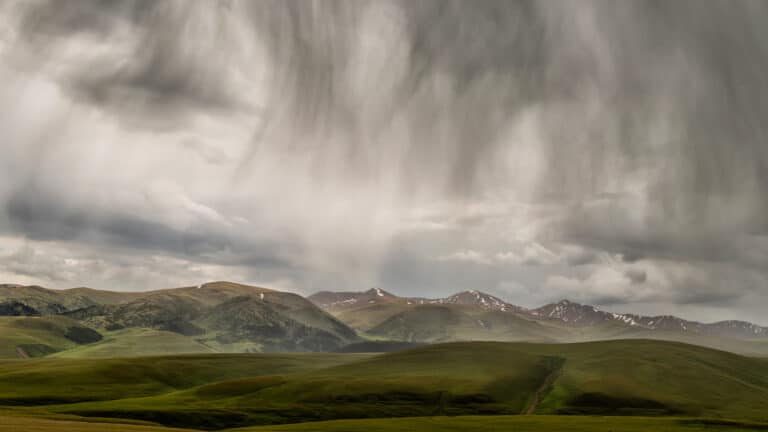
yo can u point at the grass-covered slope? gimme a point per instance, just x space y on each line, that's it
616 377
136 342
366 317
629 377
40 336
56 380
748 347
43 301
447 322
656 377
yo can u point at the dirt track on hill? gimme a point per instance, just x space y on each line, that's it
544 388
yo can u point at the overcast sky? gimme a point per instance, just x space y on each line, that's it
613 153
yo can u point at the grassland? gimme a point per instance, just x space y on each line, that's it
218 391
34 336
40 382
136 342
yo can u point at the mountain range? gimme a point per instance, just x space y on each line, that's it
218 316
474 315
231 317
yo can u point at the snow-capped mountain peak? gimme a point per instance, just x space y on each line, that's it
572 312
478 298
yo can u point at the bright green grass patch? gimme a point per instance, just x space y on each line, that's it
36 336
137 342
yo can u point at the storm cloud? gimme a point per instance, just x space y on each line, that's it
610 152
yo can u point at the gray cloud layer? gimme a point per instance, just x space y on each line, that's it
612 152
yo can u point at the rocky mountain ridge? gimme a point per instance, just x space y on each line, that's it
564 313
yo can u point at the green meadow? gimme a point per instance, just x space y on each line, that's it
612 385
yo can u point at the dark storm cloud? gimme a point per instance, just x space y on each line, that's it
38 215
166 73
581 257
466 72
611 227
48 18
473 69
636 276
679 90
719 285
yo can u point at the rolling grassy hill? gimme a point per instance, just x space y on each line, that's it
635 377
136 342
646 376
39 336
44 381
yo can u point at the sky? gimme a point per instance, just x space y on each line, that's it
610 153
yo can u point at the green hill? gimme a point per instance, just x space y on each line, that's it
444 323
626 377
137 342
45 381
43 301
369 316
748 347
39 336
